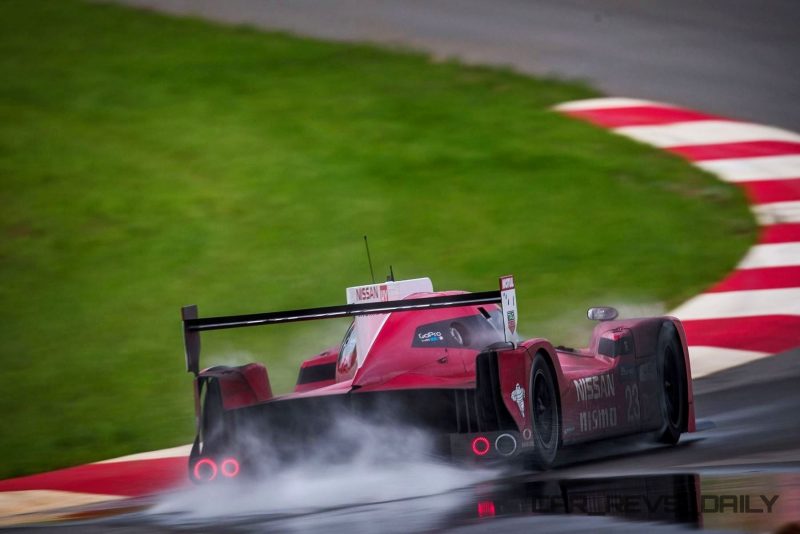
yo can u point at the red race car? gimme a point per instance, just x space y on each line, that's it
451 362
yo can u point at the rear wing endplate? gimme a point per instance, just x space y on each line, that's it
193 325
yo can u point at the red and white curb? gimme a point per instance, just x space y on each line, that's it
53 495
755 311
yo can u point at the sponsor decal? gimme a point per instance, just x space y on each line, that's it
508 306
594 387
372 293
598 419
430 337
632 401
518 396
512 321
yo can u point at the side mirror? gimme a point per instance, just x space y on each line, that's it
603 313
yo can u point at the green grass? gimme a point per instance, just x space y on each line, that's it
148 162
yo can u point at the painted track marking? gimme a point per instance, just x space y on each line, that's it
705 132
755 311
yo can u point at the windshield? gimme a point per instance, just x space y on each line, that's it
476 331
347 352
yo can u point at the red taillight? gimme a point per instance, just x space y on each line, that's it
229 467
480 446
486 509
205 470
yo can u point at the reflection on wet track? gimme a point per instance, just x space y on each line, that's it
740 472
665 503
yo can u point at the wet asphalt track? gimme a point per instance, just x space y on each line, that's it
736 58
748 444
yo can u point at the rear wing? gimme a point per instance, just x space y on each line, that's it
193 325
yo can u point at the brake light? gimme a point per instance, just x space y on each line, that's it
486 509
480 446
205 470
229 467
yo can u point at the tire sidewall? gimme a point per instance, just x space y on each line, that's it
544 451
670 347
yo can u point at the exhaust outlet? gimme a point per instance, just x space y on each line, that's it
505 444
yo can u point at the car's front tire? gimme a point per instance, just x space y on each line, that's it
672 381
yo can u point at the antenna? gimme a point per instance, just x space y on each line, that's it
369 259
390 278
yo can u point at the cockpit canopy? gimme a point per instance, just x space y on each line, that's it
406 339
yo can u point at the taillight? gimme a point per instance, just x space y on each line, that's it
486 509
229 467
480 446
205 470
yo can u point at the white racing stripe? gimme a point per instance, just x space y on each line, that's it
607 103
777 213
740 304
705 133
707 360
749 169
174 452
774 255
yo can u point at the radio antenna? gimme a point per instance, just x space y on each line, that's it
369 259
391 274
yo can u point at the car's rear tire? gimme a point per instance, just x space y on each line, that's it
672 381
545 414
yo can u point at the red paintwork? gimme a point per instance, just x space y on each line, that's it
628 393
391 355
242 386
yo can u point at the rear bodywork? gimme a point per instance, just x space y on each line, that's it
449 362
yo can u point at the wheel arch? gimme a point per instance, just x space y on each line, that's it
549 360
688 424
548 352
